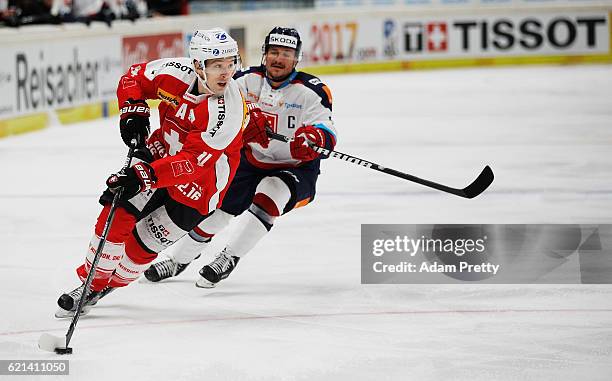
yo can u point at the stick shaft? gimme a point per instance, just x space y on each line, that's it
92 270
474 189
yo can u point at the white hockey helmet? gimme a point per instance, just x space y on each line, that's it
211 44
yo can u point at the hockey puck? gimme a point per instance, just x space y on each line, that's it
63 351
52 343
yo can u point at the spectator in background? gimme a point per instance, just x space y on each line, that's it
107 10
167 7
27 12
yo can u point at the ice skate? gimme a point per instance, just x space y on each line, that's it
217 270
165 269
68 302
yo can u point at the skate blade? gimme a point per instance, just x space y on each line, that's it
52 343
203 283
64 314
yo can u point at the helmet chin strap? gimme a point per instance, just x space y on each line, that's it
202 80
204 84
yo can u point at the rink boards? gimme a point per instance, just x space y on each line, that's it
59 76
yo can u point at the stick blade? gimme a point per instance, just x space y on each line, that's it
52 343
481 183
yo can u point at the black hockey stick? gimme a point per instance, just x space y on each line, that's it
482 182
53 343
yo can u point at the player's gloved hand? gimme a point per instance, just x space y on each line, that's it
134 121
138 178
255 132
300 150
155 144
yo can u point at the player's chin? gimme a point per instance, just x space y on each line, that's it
220 86
277 72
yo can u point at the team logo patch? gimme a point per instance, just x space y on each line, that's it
165 96
127 83
181 167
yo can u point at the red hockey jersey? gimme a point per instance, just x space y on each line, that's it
200 136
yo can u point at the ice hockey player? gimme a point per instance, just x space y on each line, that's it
273 177
193 157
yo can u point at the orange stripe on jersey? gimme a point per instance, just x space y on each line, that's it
328 92
245 112
301 203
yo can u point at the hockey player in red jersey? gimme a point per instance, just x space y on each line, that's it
182 170
274 177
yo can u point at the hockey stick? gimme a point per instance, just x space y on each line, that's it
53 343
482 182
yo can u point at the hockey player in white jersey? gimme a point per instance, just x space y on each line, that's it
274 177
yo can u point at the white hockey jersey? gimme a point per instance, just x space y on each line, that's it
301 100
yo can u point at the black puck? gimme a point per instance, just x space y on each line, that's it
63 351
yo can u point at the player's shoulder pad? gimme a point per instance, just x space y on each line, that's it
315 84
180 68
226 117
257 70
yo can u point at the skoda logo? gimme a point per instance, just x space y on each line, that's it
215 52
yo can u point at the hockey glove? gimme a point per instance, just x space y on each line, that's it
134 122
300 150
155 144
255 132
138 178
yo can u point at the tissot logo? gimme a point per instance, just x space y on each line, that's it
493 34
531 33
437 36
432 36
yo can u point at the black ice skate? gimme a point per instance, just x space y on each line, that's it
165 269
68 302
217 270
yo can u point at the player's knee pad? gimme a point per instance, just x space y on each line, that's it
271 195
210 226
122 226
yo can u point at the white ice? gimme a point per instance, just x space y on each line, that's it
295 309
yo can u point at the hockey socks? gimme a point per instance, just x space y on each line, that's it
250 230
109 259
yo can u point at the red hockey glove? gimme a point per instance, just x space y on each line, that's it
300 150
134 121
138 178
155 144
255 132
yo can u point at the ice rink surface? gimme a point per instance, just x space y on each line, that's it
295 309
